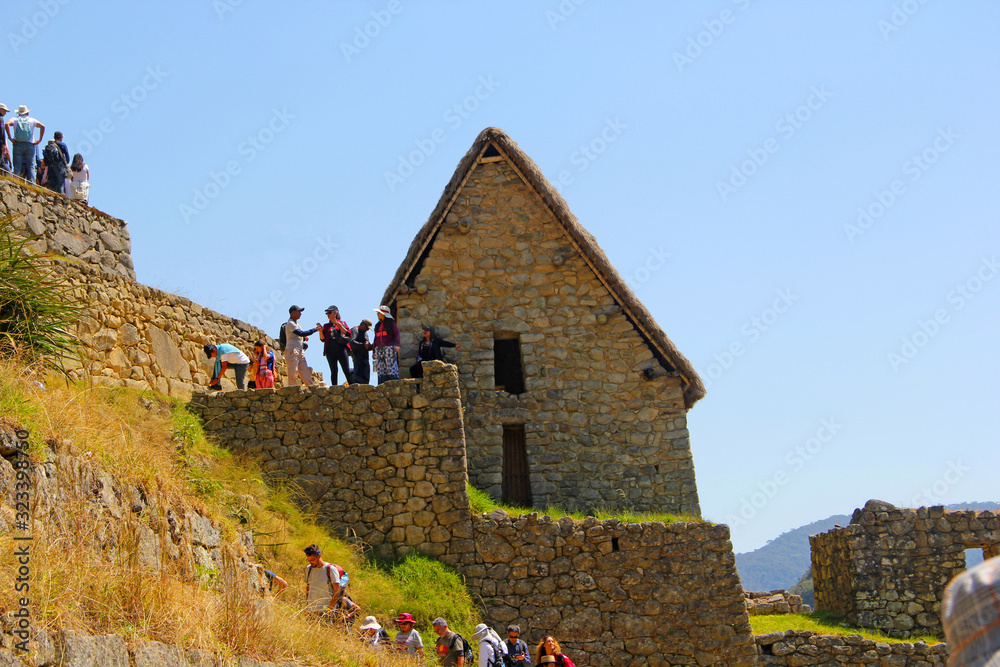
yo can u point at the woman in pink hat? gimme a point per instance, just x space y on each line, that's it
385 350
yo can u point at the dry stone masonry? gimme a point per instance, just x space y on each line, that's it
385 465
58 225
511 276
133 335
888 569
803 649
769 603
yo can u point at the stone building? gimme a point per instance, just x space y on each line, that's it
573 395
888 569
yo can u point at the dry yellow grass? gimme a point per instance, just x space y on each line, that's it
87 576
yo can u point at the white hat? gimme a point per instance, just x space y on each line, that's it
3 107
480 631
23 110
371 624
385 311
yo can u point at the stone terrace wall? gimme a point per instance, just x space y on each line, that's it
888 569
385 465
614 593
61 226
778 601
145 338
802 649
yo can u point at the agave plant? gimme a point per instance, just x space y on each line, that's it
36 308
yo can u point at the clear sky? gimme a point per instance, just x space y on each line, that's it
804 194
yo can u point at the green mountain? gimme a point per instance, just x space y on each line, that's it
784 561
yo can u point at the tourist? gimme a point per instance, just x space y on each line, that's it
373 634
5 163
359 352
385 351
58 136
326 585
262 366
516 647
227 356
294 348
408 639
450 646
970 613
430 349
78 180
549 653
336 337
56 164
491 648
21 132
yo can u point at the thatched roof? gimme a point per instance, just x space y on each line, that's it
665 351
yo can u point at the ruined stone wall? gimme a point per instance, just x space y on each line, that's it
598 433
58 225
804 649
614 593
770 603
384 465
892 573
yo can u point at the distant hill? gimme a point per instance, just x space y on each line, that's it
784 561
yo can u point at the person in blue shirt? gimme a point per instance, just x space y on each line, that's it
227 356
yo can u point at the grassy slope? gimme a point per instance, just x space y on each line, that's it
823 624
153 442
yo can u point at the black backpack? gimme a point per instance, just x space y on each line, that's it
52 156
282 339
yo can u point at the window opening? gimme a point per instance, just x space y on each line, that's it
614 544
973 556
508 374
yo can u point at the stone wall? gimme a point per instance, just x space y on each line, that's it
146 338
614 593
59 225
384 465
769 603
803 649
888 569
598 431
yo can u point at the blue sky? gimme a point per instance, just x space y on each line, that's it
804 194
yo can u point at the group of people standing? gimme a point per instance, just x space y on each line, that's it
54 169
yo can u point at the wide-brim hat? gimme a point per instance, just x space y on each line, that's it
3 107
371 624
23 110
547 659
384 310
405 618
480 631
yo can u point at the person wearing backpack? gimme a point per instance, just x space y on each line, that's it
326 585
21 132
450 646
55 166
492 652
5 164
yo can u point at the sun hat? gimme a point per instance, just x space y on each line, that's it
405 618
970 614
367 321
3 107
547 659
371 624
481 629
23 110
385 311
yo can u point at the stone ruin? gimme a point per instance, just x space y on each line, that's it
888 569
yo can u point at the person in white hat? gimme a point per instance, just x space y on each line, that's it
21 132
385 350
491 648
373 634
970 613
4 152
